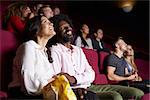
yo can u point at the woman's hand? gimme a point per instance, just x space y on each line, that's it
31 15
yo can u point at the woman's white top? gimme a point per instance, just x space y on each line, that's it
79 43
31 68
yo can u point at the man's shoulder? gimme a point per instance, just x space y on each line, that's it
112 56
93 40
75 47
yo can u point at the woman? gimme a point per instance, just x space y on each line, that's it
31 67
16 17
132 69
83 40
129 57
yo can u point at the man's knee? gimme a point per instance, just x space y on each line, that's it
137 93
111 95
116 96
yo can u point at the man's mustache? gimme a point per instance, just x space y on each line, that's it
67 29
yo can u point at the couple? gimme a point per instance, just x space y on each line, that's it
35 65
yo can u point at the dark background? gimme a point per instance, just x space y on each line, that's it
134 26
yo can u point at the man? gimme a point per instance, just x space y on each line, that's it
117 66
70 61
46 11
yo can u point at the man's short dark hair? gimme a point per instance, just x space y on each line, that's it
115 41
41 12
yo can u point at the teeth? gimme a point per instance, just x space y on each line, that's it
69 32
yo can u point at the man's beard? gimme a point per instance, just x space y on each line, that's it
67 38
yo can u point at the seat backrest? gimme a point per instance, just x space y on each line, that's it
8 45
145 96
102 60
143 68
3 95
92 57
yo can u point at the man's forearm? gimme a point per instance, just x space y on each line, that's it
115 77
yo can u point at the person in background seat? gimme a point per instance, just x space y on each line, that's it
83 40
17 15
132 68
98 43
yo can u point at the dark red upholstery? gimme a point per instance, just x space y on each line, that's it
146 97
100 79
143 68
102 56
92 58
3 95
8 47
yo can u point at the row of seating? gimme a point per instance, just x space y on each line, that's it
100 78
99 66
8 44
92 57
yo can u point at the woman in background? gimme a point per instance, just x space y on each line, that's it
129 57
83 40
132 69
15 19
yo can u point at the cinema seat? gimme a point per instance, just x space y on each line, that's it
3 95
92 58
146 96
102 58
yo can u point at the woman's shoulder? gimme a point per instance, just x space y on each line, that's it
78 38
13 18
88 39
27 45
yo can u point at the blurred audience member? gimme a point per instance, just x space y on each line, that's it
36 8
97 42
56 11
46 11
83 39
132 68
17 15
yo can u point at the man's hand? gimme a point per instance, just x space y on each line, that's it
71 79
131 77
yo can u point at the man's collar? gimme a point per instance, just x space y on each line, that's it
65 49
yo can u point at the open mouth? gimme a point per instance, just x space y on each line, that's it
69 32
